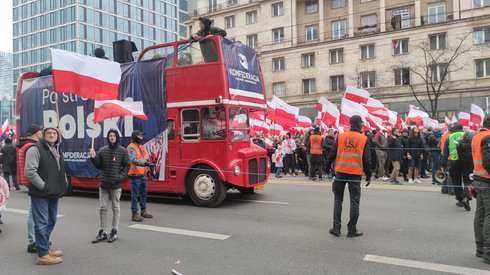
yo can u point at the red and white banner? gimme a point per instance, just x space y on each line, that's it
349 109
85 76
357 95
476 116
283 113
114 108
329 112
304 122
464 118
417 117
377 109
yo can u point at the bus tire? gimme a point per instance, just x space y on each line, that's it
246 190
205 187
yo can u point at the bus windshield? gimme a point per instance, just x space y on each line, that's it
239 130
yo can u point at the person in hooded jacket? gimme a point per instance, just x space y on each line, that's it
9 163
208 49
45 171
113 161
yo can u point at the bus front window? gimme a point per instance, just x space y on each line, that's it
239 129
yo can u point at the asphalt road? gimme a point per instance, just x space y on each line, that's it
281 230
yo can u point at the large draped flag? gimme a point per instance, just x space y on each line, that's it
282 113
476 116
85 76
464 118
104 109
416 116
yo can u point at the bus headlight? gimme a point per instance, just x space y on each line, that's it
237 169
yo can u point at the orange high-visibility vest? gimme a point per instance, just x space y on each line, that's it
350 149
444 137
476 152
315 144
140 154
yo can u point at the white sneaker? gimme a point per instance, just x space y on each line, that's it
417 181
410 181
384 178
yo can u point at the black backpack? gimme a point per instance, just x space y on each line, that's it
464 148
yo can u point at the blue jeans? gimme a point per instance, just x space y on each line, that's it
44 213
14 178
278 171
31 237
138 193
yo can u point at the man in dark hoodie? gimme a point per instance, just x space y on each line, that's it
113 161
352 156
9 163
208 48
45 171
480 148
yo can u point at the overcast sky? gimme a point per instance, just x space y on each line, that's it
6 26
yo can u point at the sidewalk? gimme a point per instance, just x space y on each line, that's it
425 186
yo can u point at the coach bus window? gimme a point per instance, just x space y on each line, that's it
239 129
213 123
190 124
205 51
155 54
170 129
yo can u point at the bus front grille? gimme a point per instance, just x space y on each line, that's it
252 171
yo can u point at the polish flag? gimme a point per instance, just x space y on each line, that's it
476 116
464 118
284 114
5 127
329 112
454 119
413 107
429 122
349 109
416 116
268 143
377 109
393 118
304 122
447 121
357 95
114 108
85 76
277 130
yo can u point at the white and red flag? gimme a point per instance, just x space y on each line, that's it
349 109
283 113
329 112
357 95
416 116
377 109
114 108
5 127
476 116
464 118
304 122
85 76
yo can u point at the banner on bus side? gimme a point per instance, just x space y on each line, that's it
141 81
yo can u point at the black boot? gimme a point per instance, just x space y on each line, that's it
145 215
102 236
335 231
356 233
479 250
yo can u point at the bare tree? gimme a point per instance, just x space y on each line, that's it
435 68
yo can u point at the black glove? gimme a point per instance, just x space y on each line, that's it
368 182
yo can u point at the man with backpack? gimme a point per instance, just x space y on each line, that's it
456 165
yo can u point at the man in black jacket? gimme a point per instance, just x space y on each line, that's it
113 160
9 163
45 171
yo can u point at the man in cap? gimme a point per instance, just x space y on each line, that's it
45 171
33 135
139 163
352 157
113 160
480 148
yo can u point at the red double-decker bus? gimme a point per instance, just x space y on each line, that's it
211 87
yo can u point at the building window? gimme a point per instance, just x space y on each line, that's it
437 13
308 60
231 2
482 68
277 35
401 19
437 41
309 86
400 46
279 88
481 3
252 41
338 29
368 23
230 22
367 51
338 4
337 56
251 17
481 35
311 6
368 80
277 9
402 76
212 5
311 32
365 1
278 64
337 83
438 72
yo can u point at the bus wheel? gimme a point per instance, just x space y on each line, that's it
205 187
246 190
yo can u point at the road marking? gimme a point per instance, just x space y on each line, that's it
22 211
259 201
425 265
181 232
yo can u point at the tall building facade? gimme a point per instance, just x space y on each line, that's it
5 73
83 25
392 48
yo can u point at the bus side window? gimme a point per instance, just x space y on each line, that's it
190 124
170 129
